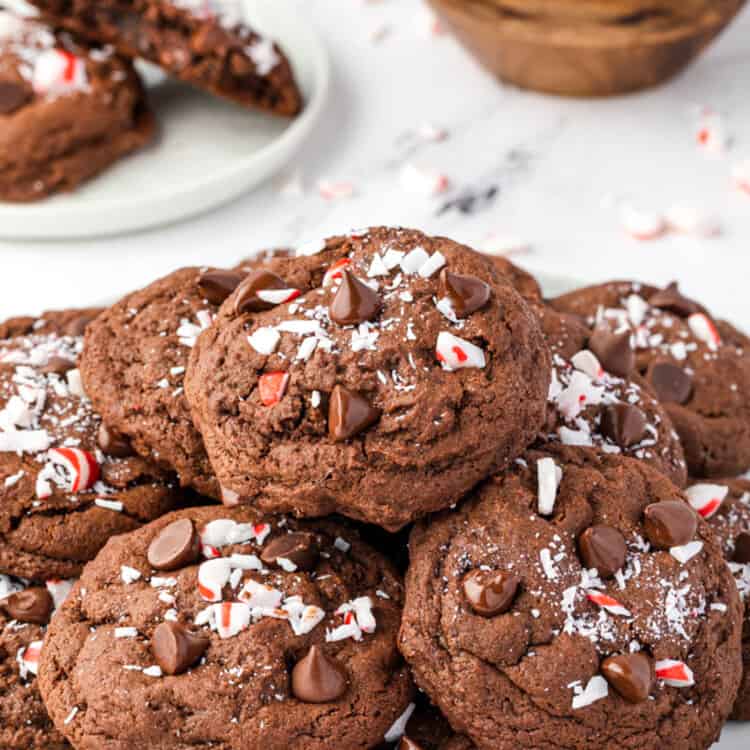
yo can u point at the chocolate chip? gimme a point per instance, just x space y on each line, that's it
349 414
247 299
12 97
318 679
408 744
613 350
631 675
670 523
490 593
354 302
625 424
299 548
176 546
175 648
467 294
742 548
671 383
216 286
114 443
33 605
603 547
58 366
672 300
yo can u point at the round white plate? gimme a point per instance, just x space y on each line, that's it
208 151
736 735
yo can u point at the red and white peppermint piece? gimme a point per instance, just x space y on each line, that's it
231 618
272 387
586 362
209 552
637 308
741 176
336 270
28 658
80 467
607 602
455 353
706 498
711 134
213 575
433 264
333 190
361 610
57 71
303 618
224 531
259 596
687 219
642 225
579 393
705 330
312 247
423 181
549 476
674 673
414 260
278 296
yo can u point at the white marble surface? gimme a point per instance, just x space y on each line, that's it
553 160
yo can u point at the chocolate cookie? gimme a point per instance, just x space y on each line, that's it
61 322
726 505
379 375
523 282
66 483
24 613
574 602
67 111
221 627
423 727
204 42
699 368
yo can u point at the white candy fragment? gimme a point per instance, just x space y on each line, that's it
549 476
706 498
455 353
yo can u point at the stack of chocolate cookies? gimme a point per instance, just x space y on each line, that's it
72 104
206 493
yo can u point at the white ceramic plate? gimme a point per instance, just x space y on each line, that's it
736 736
208 151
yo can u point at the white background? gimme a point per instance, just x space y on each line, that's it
571 157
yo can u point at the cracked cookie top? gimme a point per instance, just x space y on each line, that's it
380 375
25 611
578 595
67 483
223 627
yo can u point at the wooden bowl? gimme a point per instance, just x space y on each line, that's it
586 47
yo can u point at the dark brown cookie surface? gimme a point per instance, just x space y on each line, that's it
549 612
698 368
232 645
134 363
66 484
725 503
24 722
204 42
67 111
400 370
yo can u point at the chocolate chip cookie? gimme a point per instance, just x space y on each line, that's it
67 111
204 42
134 362
67 483
574 603
222 627
380 375
24 613
725 503
698 367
